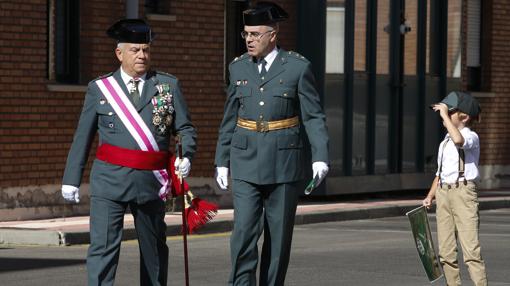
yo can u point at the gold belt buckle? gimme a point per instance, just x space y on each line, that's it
262 126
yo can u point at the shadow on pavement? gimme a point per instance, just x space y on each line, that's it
19 264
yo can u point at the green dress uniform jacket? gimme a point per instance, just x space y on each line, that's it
287 90
267 167
113 188
117 182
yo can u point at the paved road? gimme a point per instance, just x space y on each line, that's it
363 252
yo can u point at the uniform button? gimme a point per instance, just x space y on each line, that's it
261 116
262 78
285 94
291 144
261 103
261 89
110 125
110 113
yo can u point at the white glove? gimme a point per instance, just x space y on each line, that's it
182 166
221 176
71 193
320 169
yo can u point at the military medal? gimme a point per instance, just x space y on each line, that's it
163 109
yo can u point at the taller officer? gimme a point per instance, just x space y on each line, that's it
271 95
135 110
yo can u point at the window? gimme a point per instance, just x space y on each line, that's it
157 7
335 19
334 78
64 35
234 44
473 45
454 44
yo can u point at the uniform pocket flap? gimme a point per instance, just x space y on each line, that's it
240 142
105 110
243 91
285 92
289 142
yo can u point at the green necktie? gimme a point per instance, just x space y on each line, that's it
263 70
134 94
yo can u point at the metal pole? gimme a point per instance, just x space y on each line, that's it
397 18
349 85
371 70
420 71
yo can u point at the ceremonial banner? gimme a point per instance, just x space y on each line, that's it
424 244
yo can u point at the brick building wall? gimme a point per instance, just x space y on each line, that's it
494 96
38 116
495 115
37 124
31 121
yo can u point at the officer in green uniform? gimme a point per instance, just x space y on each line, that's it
271 95
114 187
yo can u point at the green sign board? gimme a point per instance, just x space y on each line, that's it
424 243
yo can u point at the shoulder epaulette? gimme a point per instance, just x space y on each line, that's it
166 74
296 55
240 58
103 76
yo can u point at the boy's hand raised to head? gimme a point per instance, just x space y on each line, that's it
442 108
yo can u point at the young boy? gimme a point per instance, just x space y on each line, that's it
454 188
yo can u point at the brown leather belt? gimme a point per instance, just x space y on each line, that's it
265 126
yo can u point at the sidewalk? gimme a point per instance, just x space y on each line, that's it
75 230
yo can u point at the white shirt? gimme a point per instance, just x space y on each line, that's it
126 78
269 59
450 157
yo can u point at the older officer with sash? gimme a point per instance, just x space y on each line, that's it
134 110
270 97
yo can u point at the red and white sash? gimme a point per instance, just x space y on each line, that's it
135 125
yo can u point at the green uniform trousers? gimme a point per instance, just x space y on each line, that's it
457 217
262 208
106 224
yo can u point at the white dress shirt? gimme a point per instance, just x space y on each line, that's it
269 59
449 155
127 78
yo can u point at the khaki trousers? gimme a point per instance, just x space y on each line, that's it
457 218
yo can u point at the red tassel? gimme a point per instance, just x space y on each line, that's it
199 213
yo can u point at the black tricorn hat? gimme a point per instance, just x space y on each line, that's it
131 31
264 13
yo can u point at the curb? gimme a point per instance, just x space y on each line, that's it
59 238
31 237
